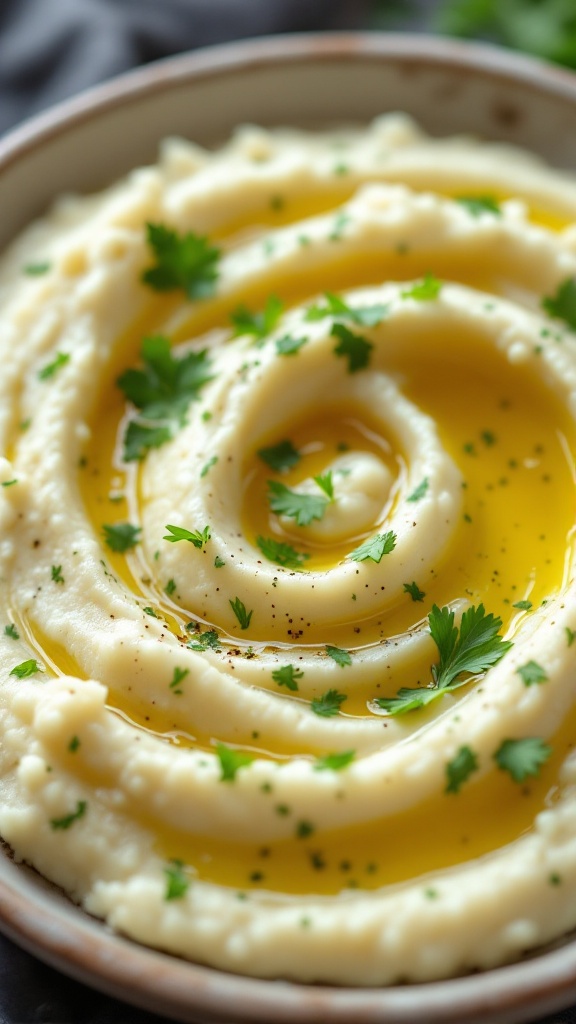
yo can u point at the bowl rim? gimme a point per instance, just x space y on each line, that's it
41 919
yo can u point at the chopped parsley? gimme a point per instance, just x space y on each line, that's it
257 324
121 536
231 761
353 347
208 465
240 612
11 631
56 574
414 590
170 587
205 640
73 745
69 819
60 360
473 648
419 491
570 635
532 673
161 391
375 547
364 316
280 456
178 676
425 290
196 537
281 554
477 205
36 269
523 605
460 768
187 261
328 704
288 346
26 669
335 762
287 676
562 304
523 757
177 883
219 562
301 507
338 655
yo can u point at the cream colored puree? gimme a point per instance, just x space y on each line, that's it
456 434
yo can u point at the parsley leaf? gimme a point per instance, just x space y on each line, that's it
11 631
162 390
477 205
182 261
460 768
287 676
328 704
208 466
326 484
280 456
523 605
414 590
69 819
121 536
56 574
178 676
205 640
338 655
231 761
240 612
522 757
257 324
562 305
37 269
281 554
334 762
425 290
301 507
473 648
26 669
60 359
288 346
375 547
364 316
353 347
177 883
419 491
531 673
196 537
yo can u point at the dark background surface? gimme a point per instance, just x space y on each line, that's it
52 49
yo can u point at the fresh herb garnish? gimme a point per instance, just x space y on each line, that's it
240 612
121 536
281 554
328 704
340 656
26 669
257 324
56 574
178 676
460 768
161 391
219 562
231 761
177 882
326 484
523 757
473 648
11 631
414 590
280 456
205 640
73 745
419 491
170 587
375 547
60 360
187 261
562 304
37 269
425 290
287 676
523 605
477 205
532 673
288 346
208 466
334 762
364 316
196 537
69 819
353 347
301 507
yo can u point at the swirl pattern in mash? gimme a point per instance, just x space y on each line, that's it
286 558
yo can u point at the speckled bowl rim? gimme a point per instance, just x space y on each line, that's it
36 915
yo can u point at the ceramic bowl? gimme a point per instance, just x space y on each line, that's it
307 81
